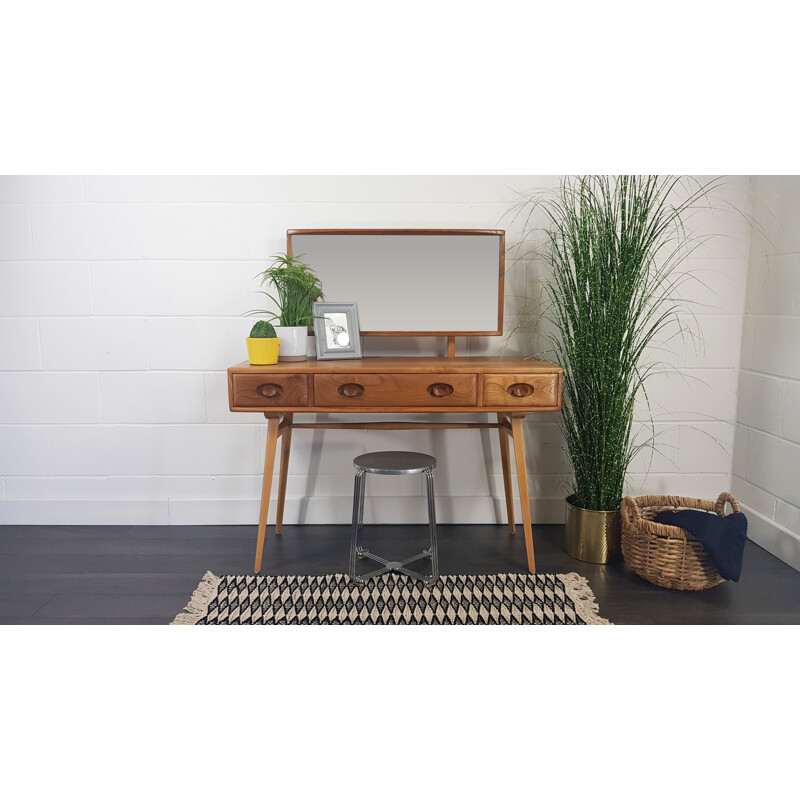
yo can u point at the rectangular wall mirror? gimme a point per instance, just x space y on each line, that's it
411 282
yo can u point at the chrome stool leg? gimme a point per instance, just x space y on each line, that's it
358 494
434 551
360 551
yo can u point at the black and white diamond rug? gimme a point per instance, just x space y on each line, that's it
392 599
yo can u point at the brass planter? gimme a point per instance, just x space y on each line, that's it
592 536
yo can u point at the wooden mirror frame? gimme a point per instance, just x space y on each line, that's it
421 232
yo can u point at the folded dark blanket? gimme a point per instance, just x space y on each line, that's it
722 537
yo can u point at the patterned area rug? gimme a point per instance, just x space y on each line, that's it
392 599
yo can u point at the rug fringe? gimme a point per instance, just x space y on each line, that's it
198 603
582 596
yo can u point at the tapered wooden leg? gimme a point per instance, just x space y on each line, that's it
286 444
506 472
522 476
266 487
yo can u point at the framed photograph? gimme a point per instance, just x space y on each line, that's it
336 330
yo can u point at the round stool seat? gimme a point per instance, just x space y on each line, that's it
394 462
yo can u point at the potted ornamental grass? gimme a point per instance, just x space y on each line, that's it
262 344
614 245
295 287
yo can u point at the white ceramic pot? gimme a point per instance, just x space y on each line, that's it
294 342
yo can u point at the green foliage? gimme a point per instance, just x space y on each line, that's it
263 330
296 286
614 244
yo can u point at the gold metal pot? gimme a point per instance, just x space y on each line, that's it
592 536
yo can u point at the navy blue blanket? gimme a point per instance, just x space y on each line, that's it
722 537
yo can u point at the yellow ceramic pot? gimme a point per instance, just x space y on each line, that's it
592 536
262 351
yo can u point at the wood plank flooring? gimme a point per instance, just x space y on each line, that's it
144 575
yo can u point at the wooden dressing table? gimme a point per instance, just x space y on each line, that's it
508 388
406 282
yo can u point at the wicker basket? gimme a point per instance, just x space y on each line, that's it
666 555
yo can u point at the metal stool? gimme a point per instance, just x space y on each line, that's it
393 462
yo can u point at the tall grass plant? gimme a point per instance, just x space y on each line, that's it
614 245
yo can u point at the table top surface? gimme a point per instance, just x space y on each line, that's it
417 364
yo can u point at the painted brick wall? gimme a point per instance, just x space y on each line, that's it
767 446
121 302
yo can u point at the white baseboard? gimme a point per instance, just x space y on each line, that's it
773 537
89 511
335 510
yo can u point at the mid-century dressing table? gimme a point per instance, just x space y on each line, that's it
507 388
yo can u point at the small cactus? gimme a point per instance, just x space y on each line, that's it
263 330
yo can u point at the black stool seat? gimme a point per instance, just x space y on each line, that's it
394 462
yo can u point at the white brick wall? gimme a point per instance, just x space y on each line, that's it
15 232
766 469
121 302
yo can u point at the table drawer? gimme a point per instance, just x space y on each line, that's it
395 390
270 389
522 391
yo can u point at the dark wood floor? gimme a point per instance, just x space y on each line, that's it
145 574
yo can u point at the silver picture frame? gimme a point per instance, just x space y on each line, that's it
336 331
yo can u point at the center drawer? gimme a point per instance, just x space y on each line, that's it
359 390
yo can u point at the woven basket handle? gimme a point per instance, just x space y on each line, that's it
629 510
726 497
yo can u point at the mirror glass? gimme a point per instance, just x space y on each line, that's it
410 283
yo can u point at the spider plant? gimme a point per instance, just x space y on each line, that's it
614 245
296 286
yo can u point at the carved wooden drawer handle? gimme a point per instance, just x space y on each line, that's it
270 390
440 389
351 390
520 389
